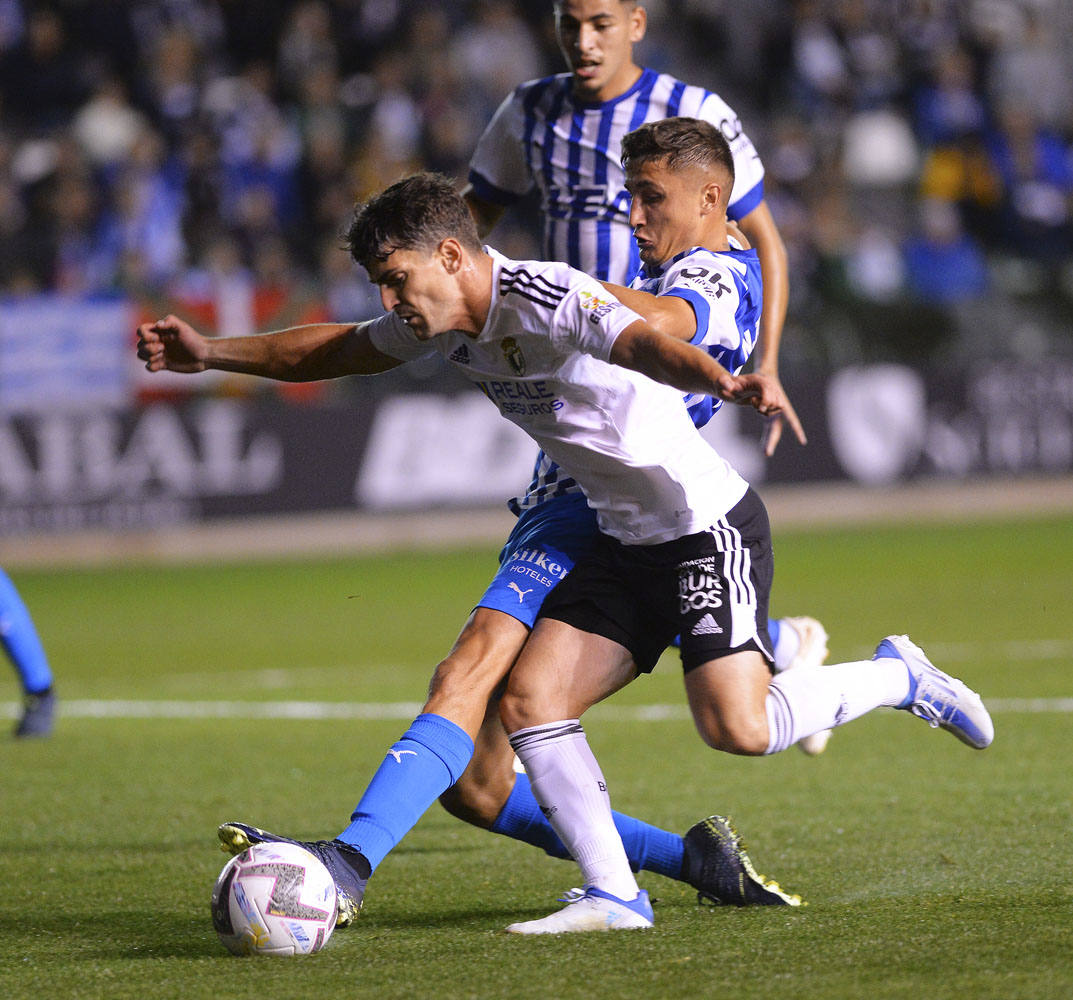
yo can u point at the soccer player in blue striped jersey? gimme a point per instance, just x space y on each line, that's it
710 858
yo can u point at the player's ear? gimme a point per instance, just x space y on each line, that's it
711 198
450 254
638 23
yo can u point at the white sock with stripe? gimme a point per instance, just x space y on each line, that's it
806 700
567 782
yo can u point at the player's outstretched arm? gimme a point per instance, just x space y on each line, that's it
298 354
690 369
667 313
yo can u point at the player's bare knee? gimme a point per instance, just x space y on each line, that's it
520 710
746 737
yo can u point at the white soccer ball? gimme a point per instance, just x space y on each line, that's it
274 899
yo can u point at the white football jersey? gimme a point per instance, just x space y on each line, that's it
571 150
542 358
724 291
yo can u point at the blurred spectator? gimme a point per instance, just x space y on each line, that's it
178 144
495 51
1034 167
1032 71
107 126
148 206
944 264
879 149
173 83
307 46
948 106
41 76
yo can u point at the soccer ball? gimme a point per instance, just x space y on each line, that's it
274 899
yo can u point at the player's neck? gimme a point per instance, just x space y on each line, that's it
477 295
621 83
712 236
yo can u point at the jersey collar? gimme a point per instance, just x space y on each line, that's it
661 269
646 79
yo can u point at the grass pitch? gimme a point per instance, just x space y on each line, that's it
930 870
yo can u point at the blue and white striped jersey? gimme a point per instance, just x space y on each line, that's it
571 150
543 358
723 287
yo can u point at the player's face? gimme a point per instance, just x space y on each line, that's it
597 39
421 288
669 209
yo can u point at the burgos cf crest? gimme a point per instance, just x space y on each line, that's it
513 353
596 307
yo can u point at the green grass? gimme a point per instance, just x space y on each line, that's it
930 870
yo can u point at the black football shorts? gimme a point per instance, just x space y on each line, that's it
710 589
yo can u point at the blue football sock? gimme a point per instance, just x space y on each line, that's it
647 847
19 638
426 760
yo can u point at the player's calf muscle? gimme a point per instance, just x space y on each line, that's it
466 679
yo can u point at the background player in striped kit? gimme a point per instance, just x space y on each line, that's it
563 135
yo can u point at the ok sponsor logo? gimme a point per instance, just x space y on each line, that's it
699 586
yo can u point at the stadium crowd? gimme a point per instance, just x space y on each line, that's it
919 153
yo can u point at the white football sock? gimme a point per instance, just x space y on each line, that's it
806 700
568 784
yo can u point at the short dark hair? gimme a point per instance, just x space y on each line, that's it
680 142
416 213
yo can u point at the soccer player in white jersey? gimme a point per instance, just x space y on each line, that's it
563 134
710 857
559 355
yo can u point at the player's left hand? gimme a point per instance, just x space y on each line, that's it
765 394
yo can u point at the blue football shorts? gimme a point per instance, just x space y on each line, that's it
546 542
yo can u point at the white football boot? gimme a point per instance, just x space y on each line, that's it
592 909
940 700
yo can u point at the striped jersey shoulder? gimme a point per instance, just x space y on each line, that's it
530 92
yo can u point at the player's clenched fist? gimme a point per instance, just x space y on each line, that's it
171 344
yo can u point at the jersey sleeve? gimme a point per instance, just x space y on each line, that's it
748 189
391 336
498 171
713 294
590 318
